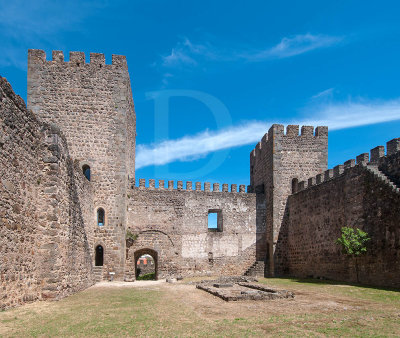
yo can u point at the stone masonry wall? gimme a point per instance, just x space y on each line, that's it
44 252
276 160
173 223
350 195
92 105
389 164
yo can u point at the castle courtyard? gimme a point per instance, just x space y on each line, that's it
157 308
199 169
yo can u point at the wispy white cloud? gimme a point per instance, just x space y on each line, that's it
335 116
292 46
323 94
188 53
193 147
185 53
354 114
166 77
177 57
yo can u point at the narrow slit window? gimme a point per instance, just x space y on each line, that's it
100 217
86 171
215 220
295 182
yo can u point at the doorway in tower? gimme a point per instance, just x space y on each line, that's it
99 256
146 264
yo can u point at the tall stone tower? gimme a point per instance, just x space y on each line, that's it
278 160
92 105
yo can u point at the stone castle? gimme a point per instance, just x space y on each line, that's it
71 213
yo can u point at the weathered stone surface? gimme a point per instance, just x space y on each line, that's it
243 291
275 162
358 198
32 258
91 103
390 165
173 223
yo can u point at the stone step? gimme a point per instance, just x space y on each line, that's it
256 269
379 174
98 273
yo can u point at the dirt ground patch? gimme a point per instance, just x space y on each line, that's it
136 284
304 302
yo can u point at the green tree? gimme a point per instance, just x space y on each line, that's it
353 243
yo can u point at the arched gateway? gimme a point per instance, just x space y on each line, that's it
142 260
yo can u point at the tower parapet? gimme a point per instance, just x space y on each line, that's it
216 187
278 159
76 59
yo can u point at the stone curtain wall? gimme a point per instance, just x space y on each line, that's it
20 170
174 223
276 160
390 164
44 252
92 105
350 195
66 255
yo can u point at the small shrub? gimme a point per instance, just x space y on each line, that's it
147 276
131 236
353 243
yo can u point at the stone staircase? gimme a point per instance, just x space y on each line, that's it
98 273
380 175
256 270
129 276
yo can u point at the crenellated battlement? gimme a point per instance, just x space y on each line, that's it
374 157
197 187
76 59
292 131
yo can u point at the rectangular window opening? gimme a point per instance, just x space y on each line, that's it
215 220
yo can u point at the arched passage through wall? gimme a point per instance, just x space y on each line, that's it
146 263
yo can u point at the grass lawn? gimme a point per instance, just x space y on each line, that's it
318 309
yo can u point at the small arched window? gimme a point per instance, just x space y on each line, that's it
100 217
86 171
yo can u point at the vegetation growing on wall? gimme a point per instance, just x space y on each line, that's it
130 237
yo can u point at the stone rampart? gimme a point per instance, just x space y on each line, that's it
44 251
390 164
355 194
198 186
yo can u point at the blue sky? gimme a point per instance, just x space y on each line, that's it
209 77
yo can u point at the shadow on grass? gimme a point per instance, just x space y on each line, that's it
333 282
